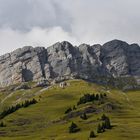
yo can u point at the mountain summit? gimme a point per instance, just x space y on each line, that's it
61 61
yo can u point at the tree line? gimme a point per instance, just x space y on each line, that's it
16 107
87 98
90 98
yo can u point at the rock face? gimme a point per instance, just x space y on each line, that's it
64 61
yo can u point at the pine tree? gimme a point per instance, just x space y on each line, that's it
97 97
68 110
2 124
99 129
93 97
103 127
101 96
34 101
103 117
92 134
74 108
107 123
105 95
84 116
73 128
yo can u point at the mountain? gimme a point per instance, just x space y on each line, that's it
83 104
62 61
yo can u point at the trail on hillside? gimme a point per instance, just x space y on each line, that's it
7 97
11 94
126 97
35 94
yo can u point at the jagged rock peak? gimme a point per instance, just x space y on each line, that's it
64 61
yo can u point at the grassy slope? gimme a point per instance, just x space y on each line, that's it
35 122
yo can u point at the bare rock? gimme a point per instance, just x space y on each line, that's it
63 61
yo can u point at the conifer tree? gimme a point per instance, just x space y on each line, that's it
68 110
73 128
92 134
107 123
2 124
99 129
84 116
97 97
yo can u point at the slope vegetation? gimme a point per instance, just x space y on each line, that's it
48 120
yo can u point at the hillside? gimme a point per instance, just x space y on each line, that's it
47 119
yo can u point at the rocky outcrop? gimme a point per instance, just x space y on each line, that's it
64 61
21 65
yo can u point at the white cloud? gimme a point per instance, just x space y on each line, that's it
11 39
44 22
99 21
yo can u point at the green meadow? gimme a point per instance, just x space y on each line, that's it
45 119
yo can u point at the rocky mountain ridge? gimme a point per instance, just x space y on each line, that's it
98 63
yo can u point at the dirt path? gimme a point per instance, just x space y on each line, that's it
7 97
126 97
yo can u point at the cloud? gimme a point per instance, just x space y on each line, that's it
25 14
44 22
11 39
100 21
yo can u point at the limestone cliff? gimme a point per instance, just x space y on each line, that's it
114 59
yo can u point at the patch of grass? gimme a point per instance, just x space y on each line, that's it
42 120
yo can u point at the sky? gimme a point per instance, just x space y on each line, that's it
45 22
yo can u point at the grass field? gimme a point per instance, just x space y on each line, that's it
42 121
